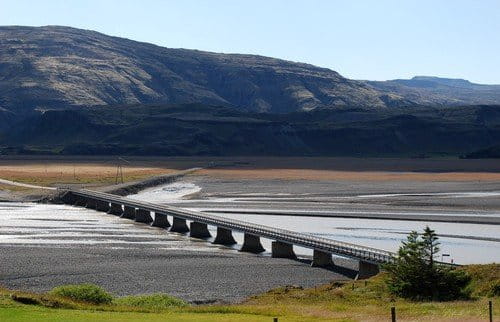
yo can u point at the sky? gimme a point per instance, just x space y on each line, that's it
360 39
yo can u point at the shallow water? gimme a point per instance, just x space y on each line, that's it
67 226
464 243
388 234
167 193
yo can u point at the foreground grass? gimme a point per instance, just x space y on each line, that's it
41 314
370 301
352 301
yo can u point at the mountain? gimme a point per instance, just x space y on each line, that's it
428 90
73 91
197 129
51 67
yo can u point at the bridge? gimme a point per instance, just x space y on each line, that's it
282 240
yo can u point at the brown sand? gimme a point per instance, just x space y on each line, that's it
102 170
309 174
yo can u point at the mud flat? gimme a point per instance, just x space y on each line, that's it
43 246
378 213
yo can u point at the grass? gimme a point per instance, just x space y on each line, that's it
154 302
351 301
88 293
370 300
43 314
485 279
53 178
72 173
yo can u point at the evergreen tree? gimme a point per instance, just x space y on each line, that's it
431 245
414 274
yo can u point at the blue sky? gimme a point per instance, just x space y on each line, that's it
371 39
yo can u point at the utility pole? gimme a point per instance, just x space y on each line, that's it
119 169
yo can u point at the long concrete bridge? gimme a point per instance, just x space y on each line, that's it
282 240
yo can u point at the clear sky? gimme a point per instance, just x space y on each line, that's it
370 39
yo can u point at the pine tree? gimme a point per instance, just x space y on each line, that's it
430 244
414 274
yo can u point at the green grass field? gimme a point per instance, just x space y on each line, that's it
353 301
53 315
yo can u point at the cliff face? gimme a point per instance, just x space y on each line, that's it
59 67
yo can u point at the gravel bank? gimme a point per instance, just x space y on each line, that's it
200 277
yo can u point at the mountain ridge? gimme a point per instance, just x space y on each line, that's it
58 66
440 91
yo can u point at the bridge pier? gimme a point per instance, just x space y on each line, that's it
69 198
224 237
143 216
115 209
128 212
251 244
91 204
80 201
102 206
179 225
161 220
321 259
282 250
199 230
367 270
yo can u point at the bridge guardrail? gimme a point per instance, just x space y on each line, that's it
300 239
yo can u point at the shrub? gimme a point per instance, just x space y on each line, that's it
415 275
495 290
151 301
89 293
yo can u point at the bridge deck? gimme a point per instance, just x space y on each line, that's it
368 254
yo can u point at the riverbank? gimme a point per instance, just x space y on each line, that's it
46 245
337 301
31 179
82 245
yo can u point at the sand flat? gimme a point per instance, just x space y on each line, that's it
312 174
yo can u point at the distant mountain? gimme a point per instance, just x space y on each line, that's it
197 129
427 90
59 67
72 91
56 67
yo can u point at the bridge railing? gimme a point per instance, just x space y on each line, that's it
300 239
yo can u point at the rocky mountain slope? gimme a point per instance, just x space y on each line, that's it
427 90
72 91
59 67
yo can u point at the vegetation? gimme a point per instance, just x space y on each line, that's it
151 301
68 173
416 275
485 280
336 301
89 293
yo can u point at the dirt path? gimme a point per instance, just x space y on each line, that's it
19 184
